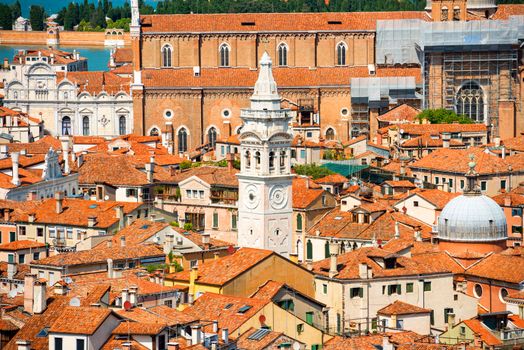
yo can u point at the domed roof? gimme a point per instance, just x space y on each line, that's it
472 4
472 218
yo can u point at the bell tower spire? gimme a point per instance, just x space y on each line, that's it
265 197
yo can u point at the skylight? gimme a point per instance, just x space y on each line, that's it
93 206
244 309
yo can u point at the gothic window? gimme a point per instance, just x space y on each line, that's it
456 13
341 54
247 158
330 134
282 54
299 222
212 137
271 160
166 56
444 14
85 126
282 158
309 250
154 132
182 141
470 101
257 159
224 55
122 125
66 126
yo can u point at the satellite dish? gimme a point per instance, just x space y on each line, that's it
74 302
106 198
262 319
12 293
296 346
127 305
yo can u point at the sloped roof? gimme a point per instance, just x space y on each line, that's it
400 308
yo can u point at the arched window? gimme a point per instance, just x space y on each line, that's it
470 101
330 134
247 158
282 158
154 132
299 222
166 56
282 54
271 160
309 250
122 125
66 126
85 125
182 140
257 159
212 136
224 55
456 13
444 14
341 54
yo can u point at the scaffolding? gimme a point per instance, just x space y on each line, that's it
454 55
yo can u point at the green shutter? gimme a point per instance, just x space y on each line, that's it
326 249
299 222
309 250
309 318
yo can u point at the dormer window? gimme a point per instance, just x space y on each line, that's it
390 263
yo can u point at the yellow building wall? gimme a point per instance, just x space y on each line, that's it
453 335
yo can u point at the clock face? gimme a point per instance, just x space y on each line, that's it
278 197
251 197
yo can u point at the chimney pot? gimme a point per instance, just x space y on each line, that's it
59 197
23 345
15 158
225 335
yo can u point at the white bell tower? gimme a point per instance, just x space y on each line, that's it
265 198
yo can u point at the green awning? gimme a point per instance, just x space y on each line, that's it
346 170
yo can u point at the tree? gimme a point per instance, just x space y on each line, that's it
443 116
37 17
312 170
16 9
6 21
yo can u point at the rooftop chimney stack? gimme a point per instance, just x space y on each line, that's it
333 252
196 336
225 336
23 345
15 158
397 230
11 270
29 281
123 241
230 158
64 141
125 296
150 169
91 221
215 326
40 296
59 197
110 269
446 138
206 240
133 291
363 271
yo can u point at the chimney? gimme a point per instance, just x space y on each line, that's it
230 158
386 344
196 336
7 215
110 270
215 326
451 321
120 216
109 243
60 288
129 219
23 345
31 217
309 265
397 230
29 281
40 297
126 345
150 169
418 234
59 197
205 240
363 271
225 336
193 275
173 346
133 291
446 137
402 168
64 141
125 296
168 243
11 269
15 158
496 140
333 252
91 221
122 241
503 150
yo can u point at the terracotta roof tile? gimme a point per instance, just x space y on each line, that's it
225 309
80 320
305 192
197 239
348 265
437 197
400 183
123 55
157 314
401 113
485 335
136 233
513 198
246 78
96 82
260 22
438 260
268 290
401 308
332 179
139 328
422 129
506 10
428 141
504 267
222 270
268 341
115 342
21 244
213 175
371 342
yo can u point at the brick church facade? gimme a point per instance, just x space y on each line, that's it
194 73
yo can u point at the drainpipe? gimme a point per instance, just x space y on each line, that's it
201 117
